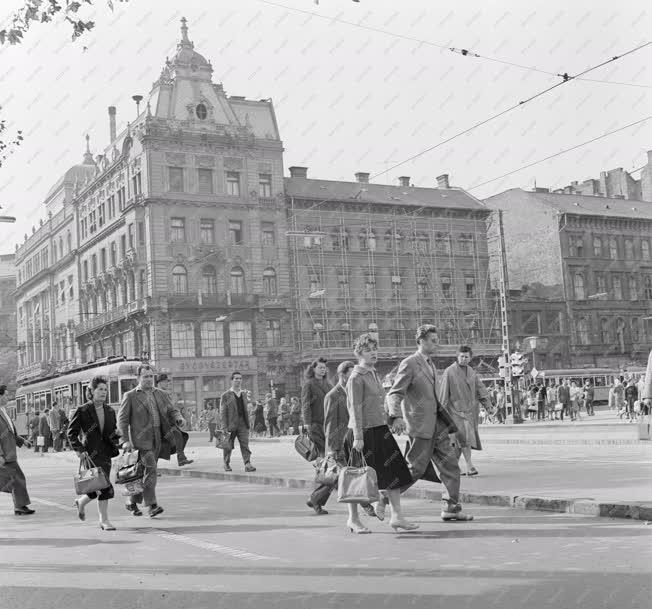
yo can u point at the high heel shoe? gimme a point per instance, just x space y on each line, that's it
80 512
106 526
359 529
406 526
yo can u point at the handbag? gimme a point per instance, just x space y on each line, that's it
129 468
223 439
89 479
559 407
305 446
326 471
357 484
133 487
40 441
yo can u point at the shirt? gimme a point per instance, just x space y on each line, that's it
239 400
99 411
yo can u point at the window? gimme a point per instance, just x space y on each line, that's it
91 222
85 267
60 247
111 206
618 288
233 183
336 239
442 243
604 331
70 288
123 246
645 249
130 235
636 331
633 288
175 175
182 338
69 241
576 245
396 286
469 283
600 283
209 280
629 249
136 184
648 287
265 185
583 331
446 286
240 335
103 259
597 247
578 284
201 112
273 332
422 285
422 243
269 282
314 282
94 265
141 233
205 181
237 281
466 245
122 198
613 248
177 230
235 232
369 285
100 214
114 254
206 231
179 280
268 233
212 338
141 284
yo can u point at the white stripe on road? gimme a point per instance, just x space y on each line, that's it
213 547
60 506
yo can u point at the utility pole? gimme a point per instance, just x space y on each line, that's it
512 394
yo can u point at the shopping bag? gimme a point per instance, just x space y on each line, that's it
40 441
326 471
133 487
305 446
223 439
89 479
128 467
357 484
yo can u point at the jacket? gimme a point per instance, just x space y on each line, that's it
336 419
313 393
135 423
563 395
44 425
84 432
365 401
413 396
229 411
9 438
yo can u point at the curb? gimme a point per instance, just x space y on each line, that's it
580 505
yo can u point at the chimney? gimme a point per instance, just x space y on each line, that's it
112 123
442 181
298 172
362 177
404 181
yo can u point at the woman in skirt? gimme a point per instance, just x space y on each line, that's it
370 436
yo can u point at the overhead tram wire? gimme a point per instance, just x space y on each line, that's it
566 79
460 51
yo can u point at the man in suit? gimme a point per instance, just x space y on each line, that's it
414 407
234 413
563 395
44 430
9 440
180 436
145 422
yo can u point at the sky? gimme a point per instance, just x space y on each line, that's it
356 87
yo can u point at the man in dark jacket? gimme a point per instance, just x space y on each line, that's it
234 416
563 395
180 436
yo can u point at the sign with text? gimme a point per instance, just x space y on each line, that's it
216 365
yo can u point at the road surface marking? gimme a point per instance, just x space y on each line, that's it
60 506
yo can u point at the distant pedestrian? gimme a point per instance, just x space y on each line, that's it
93 434
501 405
284 416
295 414
631 397
213 421
235 420
180 436
564 397
541 402
589 394
44 431
33 429
575 398
271 415
259 419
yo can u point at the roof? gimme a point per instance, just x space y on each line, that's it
77 172
587 205
451 198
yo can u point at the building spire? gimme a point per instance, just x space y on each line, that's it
88 157
185 41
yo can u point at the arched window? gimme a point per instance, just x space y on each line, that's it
269 282
179 280
132 287
209 280
237 281
583 331
60 247
604 331
362 237
69 241
578 284
636 333
389 238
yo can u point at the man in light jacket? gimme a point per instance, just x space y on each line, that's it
415 407
54 420
234 413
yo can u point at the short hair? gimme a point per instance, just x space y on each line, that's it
3 388
344 367
310 370
98 380
423 331
162 377
142 367
234 373
465 349
364 341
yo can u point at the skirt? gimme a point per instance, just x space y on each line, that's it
106 493
382 453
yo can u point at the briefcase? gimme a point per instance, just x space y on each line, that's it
326 471
89 479
129 468
223 439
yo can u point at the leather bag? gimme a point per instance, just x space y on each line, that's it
327 471
305 446
129 468
357 484
89 479
223 439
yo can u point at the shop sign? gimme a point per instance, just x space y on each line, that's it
206 365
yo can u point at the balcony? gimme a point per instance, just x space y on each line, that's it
117 313
32 371
195 299
267 201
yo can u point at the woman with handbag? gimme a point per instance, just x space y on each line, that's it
92 433
370 440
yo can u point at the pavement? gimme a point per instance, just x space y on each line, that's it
227 545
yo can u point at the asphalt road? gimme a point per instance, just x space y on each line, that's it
232 545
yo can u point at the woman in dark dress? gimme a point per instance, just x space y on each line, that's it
259 419
92 433
369 435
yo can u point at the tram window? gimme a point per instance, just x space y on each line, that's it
48 400
127 385
20 404
114 396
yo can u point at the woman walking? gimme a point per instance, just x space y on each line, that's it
370 436
92 433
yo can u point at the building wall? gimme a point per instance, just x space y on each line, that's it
8 326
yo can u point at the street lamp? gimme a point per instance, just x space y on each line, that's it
534 342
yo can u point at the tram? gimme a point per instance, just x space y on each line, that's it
39 394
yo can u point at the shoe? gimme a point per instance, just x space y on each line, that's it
319 510
380 509
106 526
249 468
369 510
406 526
461 516
80 511
155 510
357 528
227 468
134 509
472 472
186 462
23 511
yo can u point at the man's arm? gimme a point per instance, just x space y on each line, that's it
124 416
399 388
224 412
330 421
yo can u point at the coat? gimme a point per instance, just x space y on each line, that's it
135 423
44 427
313 393
9 438
413 396
336 419
646 393
461 391
84 432
563 395
229 411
